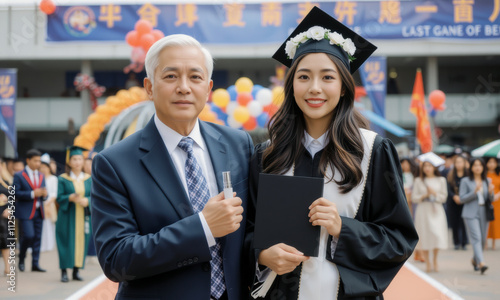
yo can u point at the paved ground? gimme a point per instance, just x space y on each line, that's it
455 273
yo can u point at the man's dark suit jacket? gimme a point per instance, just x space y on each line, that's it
146 234
25 205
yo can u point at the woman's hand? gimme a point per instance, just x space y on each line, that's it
430 192
491 188
73 197
83 201
496 197
479 185
281 258
456 198
324 213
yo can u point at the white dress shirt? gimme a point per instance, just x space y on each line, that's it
319 277
171 139
33 175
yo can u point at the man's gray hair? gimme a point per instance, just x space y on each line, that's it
174 40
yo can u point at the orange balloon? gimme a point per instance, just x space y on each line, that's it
125 98
132 38
84 128
147 40
118 102
244 98
47 6
94 126
143 26
271 109
158 34
139 94
93 117
437 99
103 109
251 124
93 135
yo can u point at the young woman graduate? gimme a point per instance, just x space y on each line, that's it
73 219
367 232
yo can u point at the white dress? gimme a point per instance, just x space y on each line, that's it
430 217
49 227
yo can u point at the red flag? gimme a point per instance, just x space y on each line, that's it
417 107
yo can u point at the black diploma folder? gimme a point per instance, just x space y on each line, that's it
282 212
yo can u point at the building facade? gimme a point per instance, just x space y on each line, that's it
49 111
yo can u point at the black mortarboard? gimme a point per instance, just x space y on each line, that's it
317 17
74 150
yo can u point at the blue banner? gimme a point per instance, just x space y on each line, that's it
374 77
8 95
271 22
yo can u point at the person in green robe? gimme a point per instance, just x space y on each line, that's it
73 219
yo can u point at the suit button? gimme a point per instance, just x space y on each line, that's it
179 264
206 267
195 259
190 261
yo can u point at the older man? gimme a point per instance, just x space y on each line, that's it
162 227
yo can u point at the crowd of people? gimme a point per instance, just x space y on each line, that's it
453 193
50 211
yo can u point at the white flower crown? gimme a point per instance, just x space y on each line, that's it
318 33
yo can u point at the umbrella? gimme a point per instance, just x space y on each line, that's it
431 157
444 149
489 150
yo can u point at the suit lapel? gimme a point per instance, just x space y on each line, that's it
159 164
217 150
220 161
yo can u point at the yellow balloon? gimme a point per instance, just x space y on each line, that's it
220 98
241 114
278 95
244 85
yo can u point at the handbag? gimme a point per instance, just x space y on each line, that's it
490 212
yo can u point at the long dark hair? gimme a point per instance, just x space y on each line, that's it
472 161
453 174
422 173
413 166
497 169
344 150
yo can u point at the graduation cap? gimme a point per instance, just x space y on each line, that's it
45 159
320 33
74 150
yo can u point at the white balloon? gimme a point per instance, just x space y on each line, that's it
254 108
231 106
264 96
233 123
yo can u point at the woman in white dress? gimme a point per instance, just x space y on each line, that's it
49 223
430 191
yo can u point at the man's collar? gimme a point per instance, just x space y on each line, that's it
171 138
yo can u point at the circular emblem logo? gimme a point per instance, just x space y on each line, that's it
79 20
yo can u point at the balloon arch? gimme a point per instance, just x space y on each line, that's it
243 106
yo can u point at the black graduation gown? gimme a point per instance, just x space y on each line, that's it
372 247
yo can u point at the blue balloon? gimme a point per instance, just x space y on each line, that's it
262 119
256 89
232 92
433 113
221 115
